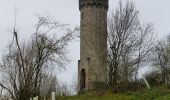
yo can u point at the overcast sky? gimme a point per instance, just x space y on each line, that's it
66 11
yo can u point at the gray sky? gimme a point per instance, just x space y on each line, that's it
66 11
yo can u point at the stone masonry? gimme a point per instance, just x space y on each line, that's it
93 43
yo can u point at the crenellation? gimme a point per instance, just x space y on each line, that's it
95 3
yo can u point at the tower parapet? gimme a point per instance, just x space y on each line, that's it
85 3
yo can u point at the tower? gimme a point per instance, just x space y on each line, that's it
93 44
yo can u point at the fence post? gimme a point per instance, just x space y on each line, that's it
35 98
53 95
146 82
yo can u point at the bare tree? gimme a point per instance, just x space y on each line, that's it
63 89
24 62
48 84
1 89
161 59
129 44
75 85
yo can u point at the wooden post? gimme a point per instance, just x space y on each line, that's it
146 82
35 98
53 95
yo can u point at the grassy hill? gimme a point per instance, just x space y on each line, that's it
156 93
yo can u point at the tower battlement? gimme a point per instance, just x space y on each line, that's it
85 3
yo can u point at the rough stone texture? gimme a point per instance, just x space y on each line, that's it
93 42
83 3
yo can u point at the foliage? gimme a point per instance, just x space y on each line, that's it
156 93
26 66
129 45
161 59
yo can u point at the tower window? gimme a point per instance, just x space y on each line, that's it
88 60
82 15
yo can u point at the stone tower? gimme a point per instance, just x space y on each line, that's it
93 44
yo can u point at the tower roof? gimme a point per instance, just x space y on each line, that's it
83 3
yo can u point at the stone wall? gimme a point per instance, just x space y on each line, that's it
93 44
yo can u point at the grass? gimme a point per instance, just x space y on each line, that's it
156 93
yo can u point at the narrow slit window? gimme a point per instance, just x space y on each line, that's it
82 15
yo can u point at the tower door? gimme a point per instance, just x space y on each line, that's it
82 80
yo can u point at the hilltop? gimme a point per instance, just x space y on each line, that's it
155 93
